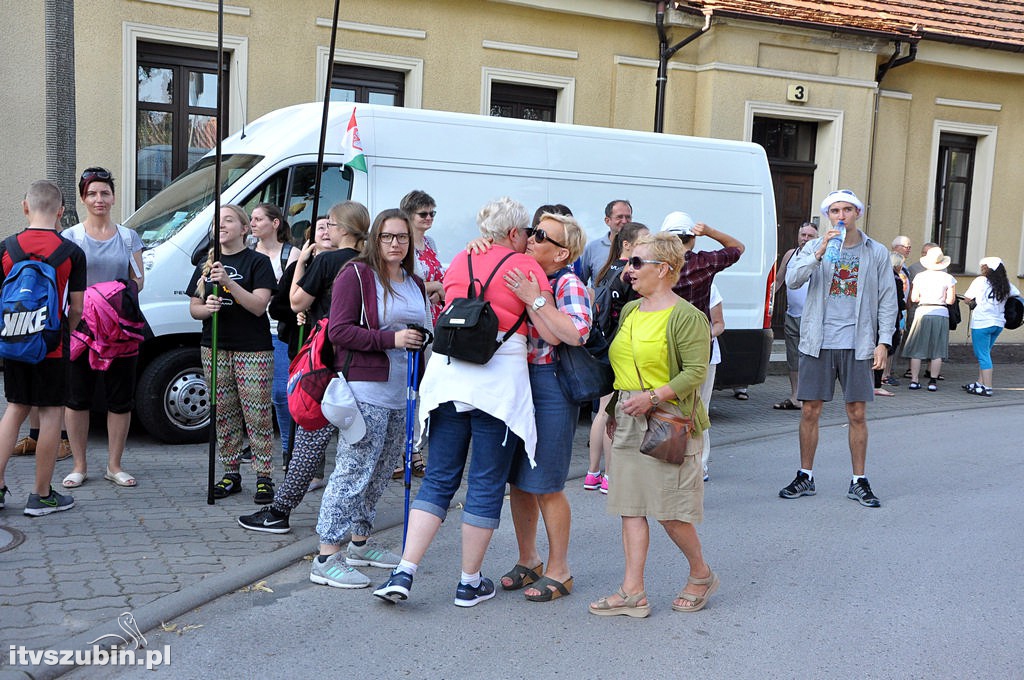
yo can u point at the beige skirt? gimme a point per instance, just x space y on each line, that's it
641 486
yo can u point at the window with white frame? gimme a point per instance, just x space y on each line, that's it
520 94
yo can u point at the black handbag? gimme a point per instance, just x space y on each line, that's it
584 372
467 329
954 315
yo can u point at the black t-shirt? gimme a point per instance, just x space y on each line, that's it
318 280
237 329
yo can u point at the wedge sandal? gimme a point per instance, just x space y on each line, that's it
546 594
630 606
697 602
521 576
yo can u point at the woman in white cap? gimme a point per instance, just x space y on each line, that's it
932 290
987 296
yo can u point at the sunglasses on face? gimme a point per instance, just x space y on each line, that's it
638 263
424 214
539 235
388 238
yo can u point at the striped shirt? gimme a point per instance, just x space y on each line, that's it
572 298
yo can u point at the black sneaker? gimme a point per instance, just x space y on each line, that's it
53 502
468 596
395 588
264 491
802 485
860 491
230 484
3 496
267 520
246 456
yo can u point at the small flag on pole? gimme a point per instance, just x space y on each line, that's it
352 147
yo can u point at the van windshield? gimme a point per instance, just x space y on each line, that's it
162 216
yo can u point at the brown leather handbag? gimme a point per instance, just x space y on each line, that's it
667 433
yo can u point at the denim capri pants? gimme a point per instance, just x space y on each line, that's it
556 426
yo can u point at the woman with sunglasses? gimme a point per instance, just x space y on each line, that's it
539 491
112 252
376 303
659 325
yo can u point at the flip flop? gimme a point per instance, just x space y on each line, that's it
546 594
786 405
521 576
74 480
121 478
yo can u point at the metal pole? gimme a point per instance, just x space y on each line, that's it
323 120
221 89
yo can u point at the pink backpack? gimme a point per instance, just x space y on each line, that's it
112 324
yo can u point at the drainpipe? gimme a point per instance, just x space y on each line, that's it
895 61
664 54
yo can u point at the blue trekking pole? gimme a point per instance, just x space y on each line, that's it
412 371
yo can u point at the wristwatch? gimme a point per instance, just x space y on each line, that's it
539 302
654 398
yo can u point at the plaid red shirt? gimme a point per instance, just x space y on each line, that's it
571 297
698 274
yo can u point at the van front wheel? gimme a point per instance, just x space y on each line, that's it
173 399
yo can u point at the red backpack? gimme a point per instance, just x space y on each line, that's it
310 372
112 324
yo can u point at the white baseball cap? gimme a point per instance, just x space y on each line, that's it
342 410
678 223
844 196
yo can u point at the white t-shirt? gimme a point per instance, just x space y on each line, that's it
988 312
715 299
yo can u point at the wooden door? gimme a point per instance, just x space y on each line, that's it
793 208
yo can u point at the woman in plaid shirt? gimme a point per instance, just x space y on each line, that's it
555 243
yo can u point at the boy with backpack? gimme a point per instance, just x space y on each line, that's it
41 270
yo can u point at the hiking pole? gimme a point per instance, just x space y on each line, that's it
412 370
291 421
216 253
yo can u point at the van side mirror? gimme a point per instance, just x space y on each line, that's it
199 254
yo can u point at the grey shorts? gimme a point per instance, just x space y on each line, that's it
792 335
818 376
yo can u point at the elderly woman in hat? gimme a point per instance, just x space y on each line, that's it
932 290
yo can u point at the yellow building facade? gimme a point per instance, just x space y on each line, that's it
597 62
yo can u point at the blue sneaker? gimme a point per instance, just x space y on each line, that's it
396 587
468 596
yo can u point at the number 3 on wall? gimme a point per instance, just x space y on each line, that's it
797 93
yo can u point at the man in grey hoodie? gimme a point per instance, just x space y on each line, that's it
849 302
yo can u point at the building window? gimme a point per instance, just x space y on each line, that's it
176 113
365 85
953 180
523 101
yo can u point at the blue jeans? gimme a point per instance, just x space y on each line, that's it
494 446
982 340
556 424
279 393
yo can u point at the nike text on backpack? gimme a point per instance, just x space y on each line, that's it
30 305
112 324
468 328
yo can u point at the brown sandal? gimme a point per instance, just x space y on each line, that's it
697 602
419 468
630 606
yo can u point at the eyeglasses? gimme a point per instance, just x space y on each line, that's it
424 214
386 237
638 263
539 235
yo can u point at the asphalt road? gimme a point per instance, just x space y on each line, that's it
927 586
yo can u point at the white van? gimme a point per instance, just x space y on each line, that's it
462 161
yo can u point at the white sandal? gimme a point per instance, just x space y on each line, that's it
74 480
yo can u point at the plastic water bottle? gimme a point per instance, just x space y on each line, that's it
835 244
